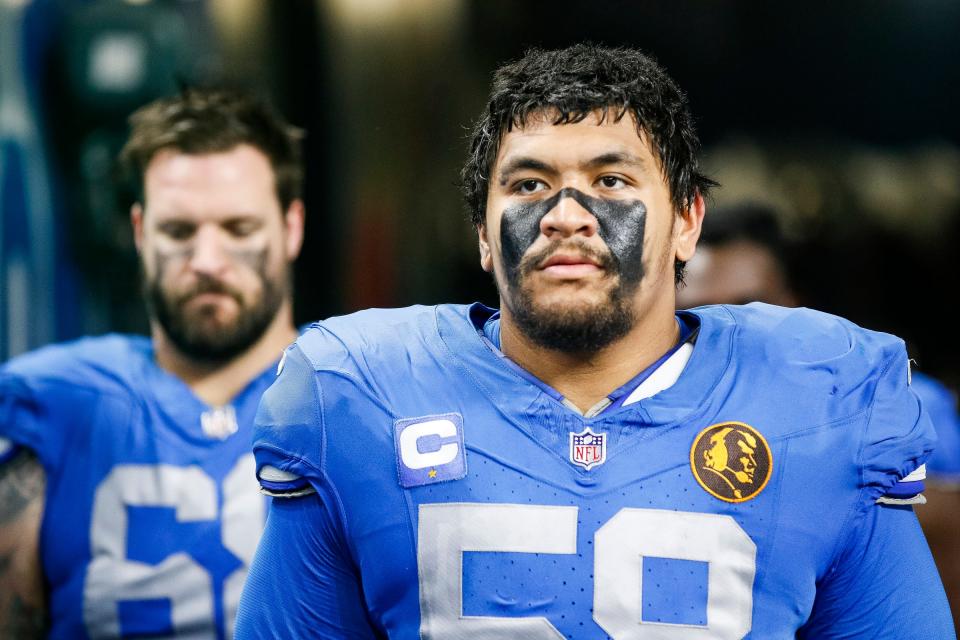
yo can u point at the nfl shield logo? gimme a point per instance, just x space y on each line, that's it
588 449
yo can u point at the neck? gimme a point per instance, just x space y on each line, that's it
216 383
586 378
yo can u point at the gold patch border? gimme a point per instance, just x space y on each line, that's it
696 475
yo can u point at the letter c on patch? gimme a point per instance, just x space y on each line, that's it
410 436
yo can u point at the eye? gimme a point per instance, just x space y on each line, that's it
612 182
526 187
241 228
177 230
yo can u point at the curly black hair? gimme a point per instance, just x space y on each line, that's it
572 83
207 120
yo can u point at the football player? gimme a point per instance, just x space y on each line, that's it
128 502
584 462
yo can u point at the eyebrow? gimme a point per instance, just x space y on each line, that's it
614 157
526 163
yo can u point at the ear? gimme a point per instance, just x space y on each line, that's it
293 221
687 228
136 220
486 255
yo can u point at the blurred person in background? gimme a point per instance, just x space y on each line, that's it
743 256
585 462
940 517
128 502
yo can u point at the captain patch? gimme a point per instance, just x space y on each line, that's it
430 449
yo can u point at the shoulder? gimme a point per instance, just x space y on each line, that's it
379 351
833 372
86 362
371 334
805 339
346 356
49 393
355 370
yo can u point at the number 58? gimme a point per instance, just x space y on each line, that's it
447 530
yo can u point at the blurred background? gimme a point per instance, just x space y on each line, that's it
843 115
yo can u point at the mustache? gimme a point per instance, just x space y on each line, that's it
206 284
604 259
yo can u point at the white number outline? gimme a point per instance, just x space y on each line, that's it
112 578
446 530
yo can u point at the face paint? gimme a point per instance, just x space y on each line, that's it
254 259
572 328
195 331
621 225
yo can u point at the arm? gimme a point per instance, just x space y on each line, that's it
22 601
301 583
883 586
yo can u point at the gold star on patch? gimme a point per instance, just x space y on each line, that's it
433 473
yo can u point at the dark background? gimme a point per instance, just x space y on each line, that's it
842 115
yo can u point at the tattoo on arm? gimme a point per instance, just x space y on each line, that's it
21 483
23 620
22 599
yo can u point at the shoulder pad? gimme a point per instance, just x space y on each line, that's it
82 361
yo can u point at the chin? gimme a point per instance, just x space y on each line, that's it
569 307
222 312
569 299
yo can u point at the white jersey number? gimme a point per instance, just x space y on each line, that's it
447 530
112 578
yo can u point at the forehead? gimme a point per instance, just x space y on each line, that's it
597 134
237 181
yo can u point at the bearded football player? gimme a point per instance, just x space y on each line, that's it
583 461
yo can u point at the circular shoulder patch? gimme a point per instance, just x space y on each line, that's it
732 461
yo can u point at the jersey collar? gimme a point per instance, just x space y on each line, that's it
688 375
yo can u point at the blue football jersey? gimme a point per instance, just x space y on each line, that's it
941 403
443 495
152 510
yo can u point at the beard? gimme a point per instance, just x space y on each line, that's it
572 328
197 333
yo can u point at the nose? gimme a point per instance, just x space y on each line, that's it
209 256
568 218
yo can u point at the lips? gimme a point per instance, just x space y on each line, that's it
208 294
568 260
570 266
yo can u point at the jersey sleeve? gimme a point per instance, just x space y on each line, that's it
884 586
301 583
42 411
899 436
883 583
25 417
288 431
